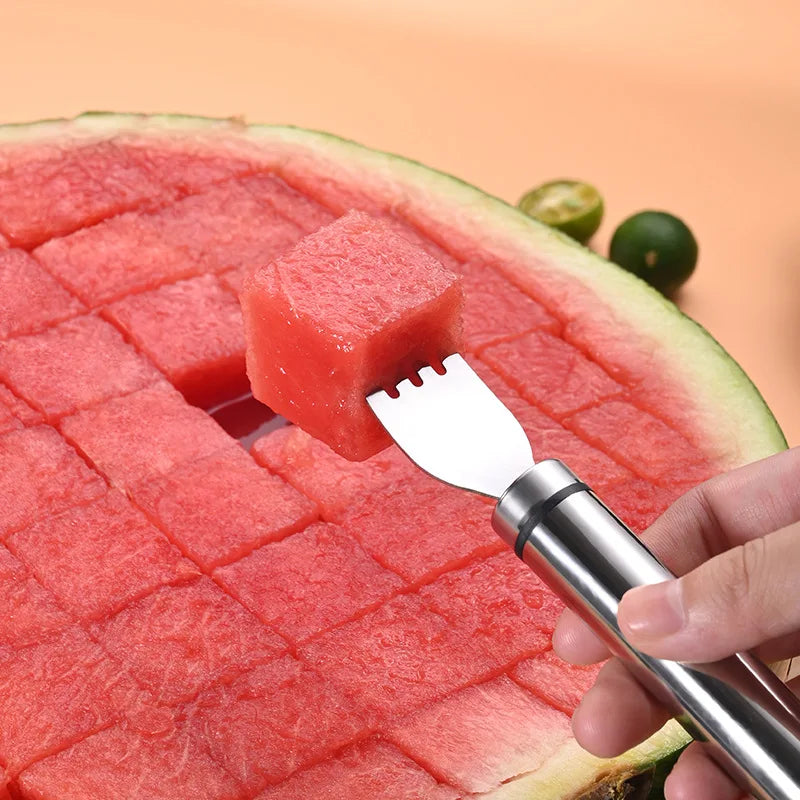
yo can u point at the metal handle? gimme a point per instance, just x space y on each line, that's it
748 720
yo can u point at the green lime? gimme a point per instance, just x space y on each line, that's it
573 207
656 246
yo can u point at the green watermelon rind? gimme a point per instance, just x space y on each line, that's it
732 414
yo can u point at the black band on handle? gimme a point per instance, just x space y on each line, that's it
538 513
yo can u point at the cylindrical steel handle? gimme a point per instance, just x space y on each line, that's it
748 720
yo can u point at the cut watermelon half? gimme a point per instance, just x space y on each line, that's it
218 686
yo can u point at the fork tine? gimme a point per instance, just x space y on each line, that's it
455 428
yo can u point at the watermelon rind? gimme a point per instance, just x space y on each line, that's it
731 418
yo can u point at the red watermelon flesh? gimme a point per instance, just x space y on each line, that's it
97 558
475 737
207 689
31 298
374 770
219 229
120 762
192 331
273 720
44 708
335 483
554 681
394 525
135 437
73 365
41 475
352 308
310 582
28 612
220 507
181 639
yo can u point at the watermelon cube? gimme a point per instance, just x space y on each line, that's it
559 684
495 310
396 658
371 770
550 373
352 308
31 298
645 444
222 228
499 604
309 582
28 612
42 705
192 331
40 475
274 720
335 483
393 525
3 242
120 762
220 507
181 639
99 557
73 365
483 735
16 413
147 433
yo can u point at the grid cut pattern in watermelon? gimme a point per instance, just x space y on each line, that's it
181 639
73 365
334 483
394 525
120 762
483 735
49 191
220 507
310 582
31 298
644 443
495 311
99 557
150 220
551 374
15 412
373 770
396 658
28 613
40 475
272 721
44 708
192 331
504 610
144 434
219 229
557 683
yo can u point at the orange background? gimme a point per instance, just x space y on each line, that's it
692 106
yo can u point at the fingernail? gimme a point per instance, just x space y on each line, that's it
653 612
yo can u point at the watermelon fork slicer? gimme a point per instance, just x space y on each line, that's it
745 716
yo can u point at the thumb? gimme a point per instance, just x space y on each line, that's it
732 602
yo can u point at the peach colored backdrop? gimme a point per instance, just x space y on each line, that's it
689 106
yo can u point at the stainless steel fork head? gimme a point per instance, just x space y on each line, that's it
455 428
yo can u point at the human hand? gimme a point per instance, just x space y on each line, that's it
735 540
